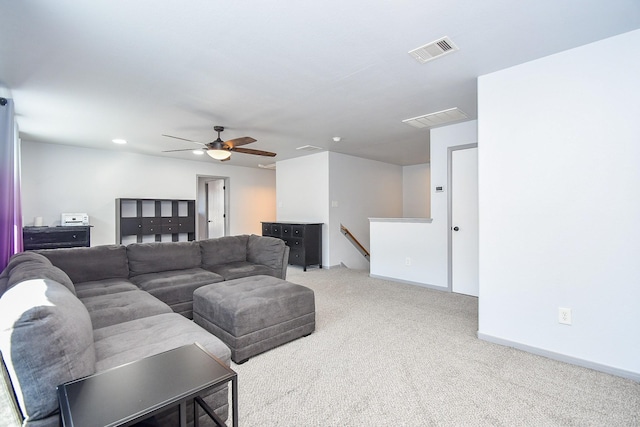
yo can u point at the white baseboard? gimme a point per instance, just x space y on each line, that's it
634 376
409 282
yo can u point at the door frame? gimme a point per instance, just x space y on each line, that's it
450 151
201 204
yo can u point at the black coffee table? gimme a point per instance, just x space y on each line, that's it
135 391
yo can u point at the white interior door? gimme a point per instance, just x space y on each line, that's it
464 221
215 208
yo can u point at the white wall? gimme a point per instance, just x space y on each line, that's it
302 188
307 186
59 178
425 243
362 189
395 242
559 185
416 197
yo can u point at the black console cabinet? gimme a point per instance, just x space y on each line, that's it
56 237
155 217
303 238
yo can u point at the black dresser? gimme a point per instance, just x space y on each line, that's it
56 237
303 238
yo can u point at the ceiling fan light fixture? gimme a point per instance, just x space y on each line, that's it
219 154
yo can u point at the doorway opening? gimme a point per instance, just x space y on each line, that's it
212 207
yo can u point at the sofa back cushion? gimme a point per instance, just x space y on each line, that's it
162 256
17 259
90 264
223 250
30 270
267 251
46 339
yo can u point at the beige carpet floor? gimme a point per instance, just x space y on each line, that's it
391 354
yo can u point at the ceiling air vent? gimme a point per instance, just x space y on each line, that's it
436 119
308 148
433 50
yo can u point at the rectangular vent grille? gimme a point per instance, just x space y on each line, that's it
436 119
309 148
433 50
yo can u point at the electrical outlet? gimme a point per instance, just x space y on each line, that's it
564 315
407 261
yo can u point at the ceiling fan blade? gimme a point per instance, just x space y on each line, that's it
184 149
183 139
236 142
256 152
177 137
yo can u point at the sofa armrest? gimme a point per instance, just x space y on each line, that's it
285 262
269 251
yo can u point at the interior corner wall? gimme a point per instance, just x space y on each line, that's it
359 189
437 232
559 178
424 243
302 193
335 189
416 194
59 178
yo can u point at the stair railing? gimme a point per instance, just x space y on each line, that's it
344 230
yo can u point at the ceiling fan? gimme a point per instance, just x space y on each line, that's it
221 150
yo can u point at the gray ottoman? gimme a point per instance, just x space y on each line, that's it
254 314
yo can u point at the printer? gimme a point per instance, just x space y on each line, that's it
67 219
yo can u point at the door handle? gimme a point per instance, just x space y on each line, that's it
456 228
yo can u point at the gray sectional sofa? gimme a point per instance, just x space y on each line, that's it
68 313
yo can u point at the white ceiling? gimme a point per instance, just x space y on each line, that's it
288 73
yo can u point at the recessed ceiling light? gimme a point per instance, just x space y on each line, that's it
119 141
198 152
337 139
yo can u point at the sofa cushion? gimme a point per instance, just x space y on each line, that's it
103 287
16 260
46 339
34 270
22 257
25 266
88 264
109 309
223 250
236 270
267 251
162 256
130 341
174 287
